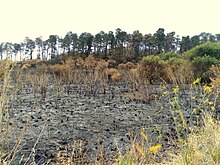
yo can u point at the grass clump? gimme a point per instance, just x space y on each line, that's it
202 147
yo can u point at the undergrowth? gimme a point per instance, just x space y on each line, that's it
197 136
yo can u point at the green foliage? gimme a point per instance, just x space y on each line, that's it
205 49
151 68
170 55
203 57
151 60
201 66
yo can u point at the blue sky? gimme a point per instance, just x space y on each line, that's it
33 18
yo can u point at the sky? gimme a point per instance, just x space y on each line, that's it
34 18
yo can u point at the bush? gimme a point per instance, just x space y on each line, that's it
206 49
113 74
151 68
128 65
201 66
203 57
170 55
178 71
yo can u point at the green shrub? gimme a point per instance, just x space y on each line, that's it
151 68
201 66
170 55
151 60
206 49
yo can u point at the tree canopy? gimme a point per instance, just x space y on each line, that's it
119 45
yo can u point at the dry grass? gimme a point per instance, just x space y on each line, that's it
8 89
140 152
4 68
39 81
178 73
113 74
202 148
4 112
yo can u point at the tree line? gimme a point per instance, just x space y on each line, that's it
118 44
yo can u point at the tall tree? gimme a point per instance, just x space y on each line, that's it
121 37
98 43
101 43
169 44
149 43
195 40
74 42
8 49
217 36
185 44
86 41
160 39
137 39
120 41
30 45
1 50
39 44
67 42
17 49
52 43
204 37
111 39
212 38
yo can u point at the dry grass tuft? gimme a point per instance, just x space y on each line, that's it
178 72
114 74
202 147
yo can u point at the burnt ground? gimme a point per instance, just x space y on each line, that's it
93 122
